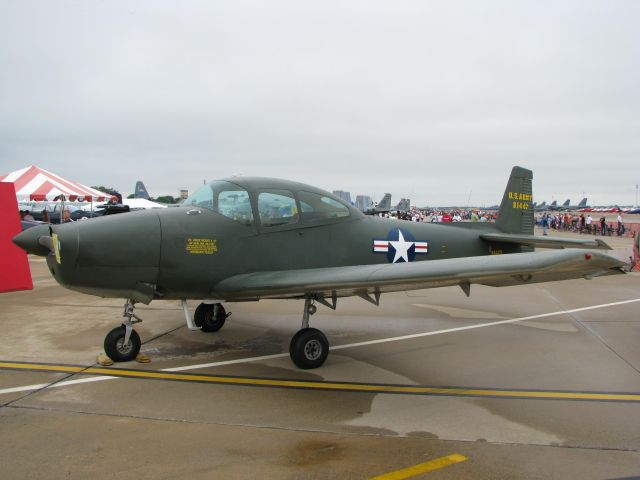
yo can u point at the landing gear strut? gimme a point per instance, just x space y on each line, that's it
309 347
122 344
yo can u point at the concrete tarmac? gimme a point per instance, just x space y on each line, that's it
542 396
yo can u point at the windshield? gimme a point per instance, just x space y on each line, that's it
225 198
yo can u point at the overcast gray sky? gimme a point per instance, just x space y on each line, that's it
433 100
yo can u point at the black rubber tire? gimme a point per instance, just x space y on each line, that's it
198 315
210 317
309 348
116 351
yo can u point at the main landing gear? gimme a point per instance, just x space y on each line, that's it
210 317
122 344
309 347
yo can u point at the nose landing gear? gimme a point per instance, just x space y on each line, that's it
122 344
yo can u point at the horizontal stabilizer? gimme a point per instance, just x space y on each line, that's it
545 242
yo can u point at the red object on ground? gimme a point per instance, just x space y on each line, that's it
636 251
14 266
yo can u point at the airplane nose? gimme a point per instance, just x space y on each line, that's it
34 240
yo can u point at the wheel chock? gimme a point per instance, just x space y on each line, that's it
142 358
104 360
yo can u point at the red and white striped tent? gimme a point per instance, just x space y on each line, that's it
36 184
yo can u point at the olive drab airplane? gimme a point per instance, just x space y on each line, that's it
245 239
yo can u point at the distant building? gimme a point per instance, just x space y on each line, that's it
184 194
363 202
346 196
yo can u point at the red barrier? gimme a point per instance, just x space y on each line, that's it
14 266
636 251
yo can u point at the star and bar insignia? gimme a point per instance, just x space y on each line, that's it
400 246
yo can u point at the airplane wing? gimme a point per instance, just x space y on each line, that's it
362 280
546 242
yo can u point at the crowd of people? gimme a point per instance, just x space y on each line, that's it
560 221
582 223
436 216
27 216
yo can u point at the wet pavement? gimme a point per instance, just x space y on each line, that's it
79 424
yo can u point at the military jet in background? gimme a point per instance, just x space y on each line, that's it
565 207
404 205
540 208
141 191
582 204
382 207
245 239
554 207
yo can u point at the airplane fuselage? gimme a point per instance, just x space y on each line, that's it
184 252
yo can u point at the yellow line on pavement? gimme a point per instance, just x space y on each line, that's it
333 386
41 367
422 468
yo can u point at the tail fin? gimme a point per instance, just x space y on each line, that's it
516 209
567 202
554 203
583 203
141 191
385 203
403 205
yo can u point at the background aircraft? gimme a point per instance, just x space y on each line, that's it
140 191
555 207
382 207
404 205
582 204
567 207
244 239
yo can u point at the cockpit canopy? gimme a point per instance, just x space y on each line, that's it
271 206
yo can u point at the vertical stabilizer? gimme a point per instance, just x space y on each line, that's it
403 205
516 209
583 203
385 203
141 191
567 202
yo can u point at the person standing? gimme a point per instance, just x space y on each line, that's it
620 224
66 216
